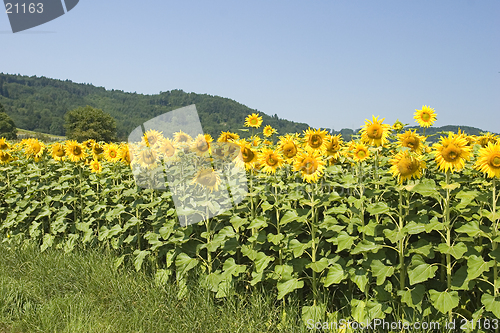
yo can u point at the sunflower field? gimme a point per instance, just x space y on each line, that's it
385 226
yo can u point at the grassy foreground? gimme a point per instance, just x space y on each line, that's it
81 292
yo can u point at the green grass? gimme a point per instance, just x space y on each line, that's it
81 292
39 134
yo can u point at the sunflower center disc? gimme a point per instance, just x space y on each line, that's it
426 116
316 141
495 161
247 155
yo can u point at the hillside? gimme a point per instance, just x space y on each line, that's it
433 133
39 104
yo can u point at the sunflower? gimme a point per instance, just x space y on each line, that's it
270 160
34 148
333 146
97 150
182 138
255 140
488 161
398 126
111 152
151 137
360 152
95 166
315 139
89 144
4 145
124 153
253 120
166 148
268 131
227 137
58 152
147 158
310 164
425 117
410 139
75 151
484 139
5 157
452 152
207 178
288 146
201 145
374 132
248 156
406 166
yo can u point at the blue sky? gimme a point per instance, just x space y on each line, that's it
327 63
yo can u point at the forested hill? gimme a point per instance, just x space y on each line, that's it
433 133
39 104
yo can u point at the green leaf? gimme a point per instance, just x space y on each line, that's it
493 217
266 206
298 248
161 276
258 222
289 216
319 265
459 279
287 287
377 208
262 261
359 312
344 241
413 228
394 235
231 268
434 224
413 297
365 246
477 266
491 304
335 275
275 239
283 272
381 271
139 258
360 277
427 188
316 313
48 240
456 250
444 301
337 210
238 222
421 273
472 229
184 263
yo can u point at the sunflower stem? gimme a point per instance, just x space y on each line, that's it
448 237
402 273
361 195
278 231
313 246
495 232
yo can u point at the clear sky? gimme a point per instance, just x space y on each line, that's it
328 63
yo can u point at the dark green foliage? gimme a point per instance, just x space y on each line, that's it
90 123
39 103
7 127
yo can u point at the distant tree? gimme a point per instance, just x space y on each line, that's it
8 129
87 122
